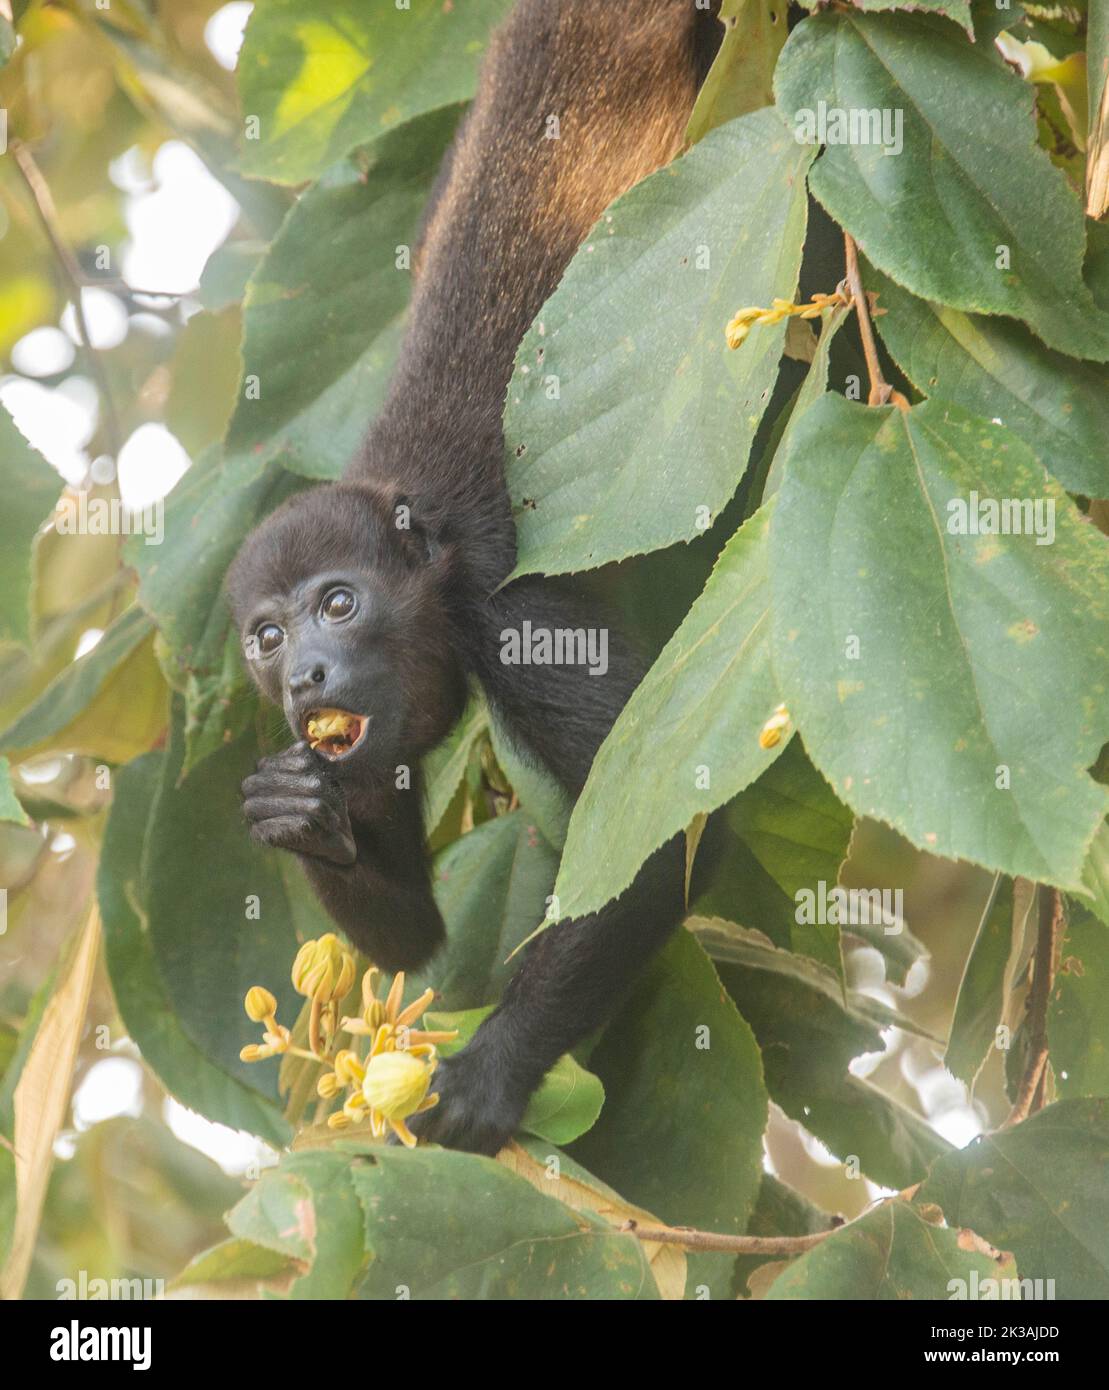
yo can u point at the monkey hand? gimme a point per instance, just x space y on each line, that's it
292 803
481 1102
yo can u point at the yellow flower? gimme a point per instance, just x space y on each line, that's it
396 1086
260 1004
389 1025
275 1041
323 970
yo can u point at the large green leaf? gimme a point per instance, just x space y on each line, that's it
890 1253
685 1108
987 982
783 835
697 713
969 183
808 1033
307 1209
958 10
79 683
323 309
147 1009
924 667
450 1225
10 809
491 886
181 586
1038 1190
741 78
649 430
995 367
324 76
1078 1016
30 488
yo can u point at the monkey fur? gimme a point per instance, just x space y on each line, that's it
380 594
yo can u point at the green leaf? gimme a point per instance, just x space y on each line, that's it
779 1211
10 809
997 368
1095 873
324 76
986 986
1038 1190
1078 1015
445 766
307 1209
78 685
181 586
492 886
741 78
808 1033
922 676
226 273
541 797
653 418
685 1110
785 834
564 1105
698 713
445 1225
322 315
144 1003
890 1253
958 10
970 178
238 1263
30 488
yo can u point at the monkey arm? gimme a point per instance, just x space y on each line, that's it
363 853
573 976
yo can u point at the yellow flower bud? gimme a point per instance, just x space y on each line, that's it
348 1069
771 733
328 1086
259 1004
338 1120
323 969
255 1052
396 1084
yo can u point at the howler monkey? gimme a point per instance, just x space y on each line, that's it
367 605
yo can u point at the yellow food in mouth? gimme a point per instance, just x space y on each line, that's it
333 731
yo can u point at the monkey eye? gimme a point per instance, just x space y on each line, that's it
338 604
268 637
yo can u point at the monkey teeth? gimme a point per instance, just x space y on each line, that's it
334 732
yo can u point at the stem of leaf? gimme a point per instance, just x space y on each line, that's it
881 392
43 200
1031 1092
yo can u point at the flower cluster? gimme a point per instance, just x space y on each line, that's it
739 326
392 1082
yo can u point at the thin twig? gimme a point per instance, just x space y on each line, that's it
40 193
1048 936
881 392
736 1245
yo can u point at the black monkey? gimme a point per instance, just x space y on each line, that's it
366 605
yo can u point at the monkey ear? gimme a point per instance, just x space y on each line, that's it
420 541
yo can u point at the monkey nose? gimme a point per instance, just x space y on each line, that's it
307 677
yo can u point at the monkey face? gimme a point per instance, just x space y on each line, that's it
343 624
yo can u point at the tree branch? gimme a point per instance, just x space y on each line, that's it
881 392
735 1245
71 270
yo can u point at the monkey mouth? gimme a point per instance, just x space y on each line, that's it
334 733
